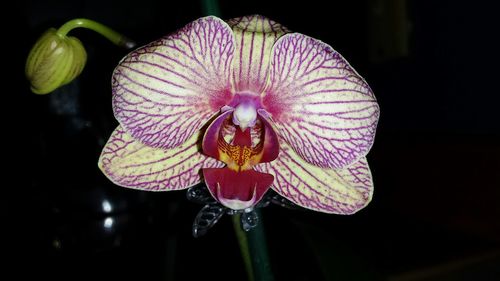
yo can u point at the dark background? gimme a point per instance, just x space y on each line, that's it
435 162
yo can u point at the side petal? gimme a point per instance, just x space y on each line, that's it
165 91
254 37
210 142
271 146
320 104
343 191
129 163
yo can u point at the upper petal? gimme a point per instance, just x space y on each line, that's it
254 37
321 106
165 91
325 190
129 163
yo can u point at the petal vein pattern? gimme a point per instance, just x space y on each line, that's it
321 106
254 38
129 163
343 191
165 91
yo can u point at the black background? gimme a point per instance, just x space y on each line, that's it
435 161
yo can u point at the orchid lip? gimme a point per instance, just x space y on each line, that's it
238 186
237 204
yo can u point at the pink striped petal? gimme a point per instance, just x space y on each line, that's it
320 104
254 37
343 191
129 163
165 91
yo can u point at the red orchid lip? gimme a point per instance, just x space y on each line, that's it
237 190
238 186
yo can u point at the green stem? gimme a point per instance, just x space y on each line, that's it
253 250
211 7
110 34
243 242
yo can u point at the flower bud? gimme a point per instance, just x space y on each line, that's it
54 60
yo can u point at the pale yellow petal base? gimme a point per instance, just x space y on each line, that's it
129 163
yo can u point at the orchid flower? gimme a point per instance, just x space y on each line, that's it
245 105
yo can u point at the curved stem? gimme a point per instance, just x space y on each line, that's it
113 36
211 8
254 250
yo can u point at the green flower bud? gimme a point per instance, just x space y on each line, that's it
54 60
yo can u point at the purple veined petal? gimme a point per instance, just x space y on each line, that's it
344 191
129 163
321 106
254 37
165 91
